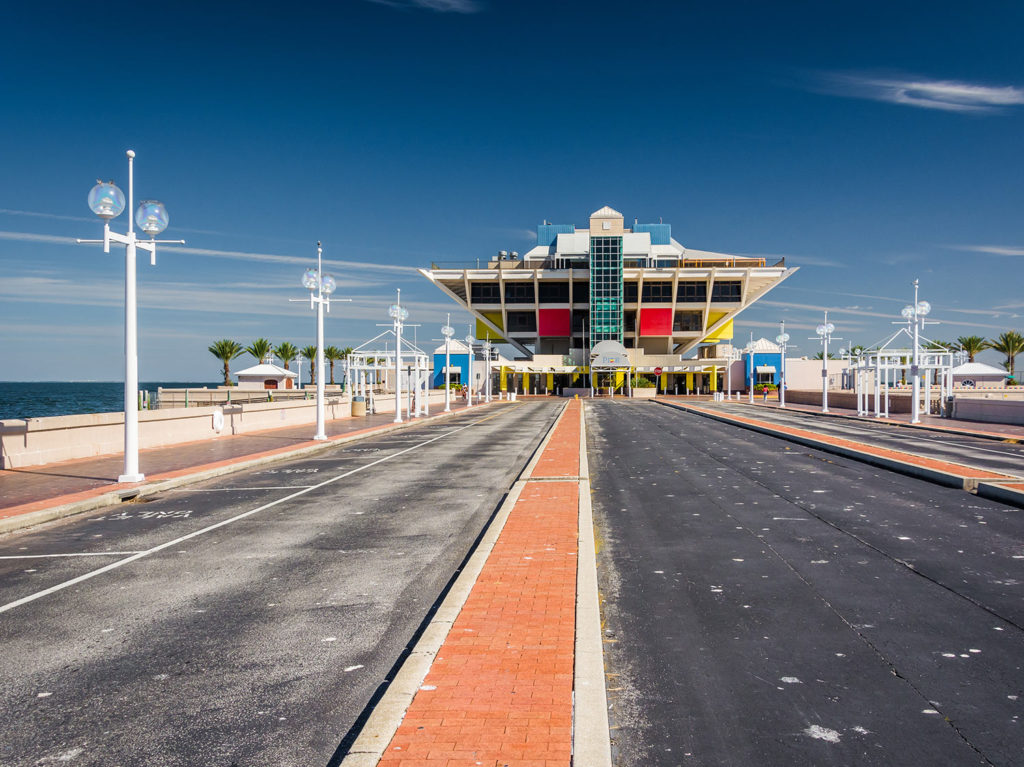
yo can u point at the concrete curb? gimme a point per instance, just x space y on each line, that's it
119 496
591 739
387 715
996 492
947 479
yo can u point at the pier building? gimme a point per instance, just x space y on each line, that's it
670 306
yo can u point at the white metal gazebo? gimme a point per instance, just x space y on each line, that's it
371 370
878 370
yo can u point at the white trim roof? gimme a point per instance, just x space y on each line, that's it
978 369
606 212
266 370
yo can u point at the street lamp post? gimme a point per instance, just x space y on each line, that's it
399 314
487 369
298 361
107 202
447 331
915 314
320 287
469 365
824 332
782 338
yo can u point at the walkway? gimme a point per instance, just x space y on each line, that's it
35 488
500 689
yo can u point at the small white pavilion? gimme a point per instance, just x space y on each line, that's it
266 375
979 375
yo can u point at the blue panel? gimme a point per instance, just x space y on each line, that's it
547 233
661 234
460 361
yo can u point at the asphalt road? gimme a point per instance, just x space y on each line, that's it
247 620
767 604
994 455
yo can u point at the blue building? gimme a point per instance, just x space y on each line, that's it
459 357
762 363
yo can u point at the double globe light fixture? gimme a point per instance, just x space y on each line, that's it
914 314
824 332
107 201
782 339
320 287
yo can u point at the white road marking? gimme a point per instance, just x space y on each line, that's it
235 489
354 668
218 525
80 554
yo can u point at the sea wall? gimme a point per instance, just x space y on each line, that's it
38 441
992 408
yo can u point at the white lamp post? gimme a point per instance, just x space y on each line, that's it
298 361
447 331
781 339
487 369
107 202
824 331
915 314
469 374
399 314
320 287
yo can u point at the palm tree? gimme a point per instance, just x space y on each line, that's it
332 354
972 345
309 352
226 350
1010 343
259 349
287 352
817 356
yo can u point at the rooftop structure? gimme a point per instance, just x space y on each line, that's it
608 282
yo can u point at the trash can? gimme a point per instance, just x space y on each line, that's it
358 406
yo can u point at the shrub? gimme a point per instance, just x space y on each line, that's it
643 382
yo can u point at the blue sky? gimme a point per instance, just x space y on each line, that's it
868 143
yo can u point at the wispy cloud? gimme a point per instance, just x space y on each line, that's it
368 266
439 6
921 92
991 250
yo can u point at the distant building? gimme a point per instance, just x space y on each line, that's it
634 285
266 375
979 375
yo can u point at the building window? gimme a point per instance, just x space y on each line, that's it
692 292
605 289
484 293
629 292
580 292
554 292
579 321
629 321
522 322
729 291
519 293
688 322
657 292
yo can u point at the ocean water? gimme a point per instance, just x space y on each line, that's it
38 399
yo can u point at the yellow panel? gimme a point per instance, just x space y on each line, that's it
724 333
482 330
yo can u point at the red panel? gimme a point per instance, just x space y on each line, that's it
656 322
554 322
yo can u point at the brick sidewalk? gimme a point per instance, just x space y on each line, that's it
500 689
947 467
36 488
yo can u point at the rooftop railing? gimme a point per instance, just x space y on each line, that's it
742 262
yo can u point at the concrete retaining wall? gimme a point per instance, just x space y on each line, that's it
38 441
989 410
898 402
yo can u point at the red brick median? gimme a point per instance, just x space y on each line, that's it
500 689
955 469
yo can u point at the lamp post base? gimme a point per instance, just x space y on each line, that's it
320 437
131 478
